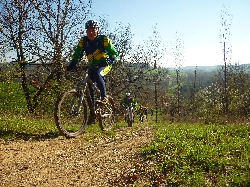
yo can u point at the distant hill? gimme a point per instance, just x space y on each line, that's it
192 68
207 68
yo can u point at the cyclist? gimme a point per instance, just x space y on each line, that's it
100 53
152 111
128 101
142 111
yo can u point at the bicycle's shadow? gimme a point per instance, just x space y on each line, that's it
10 135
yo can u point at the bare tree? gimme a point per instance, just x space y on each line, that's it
136 67
120 77
41 32
178 58
152 53
226 21
14 16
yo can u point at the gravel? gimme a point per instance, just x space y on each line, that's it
101 161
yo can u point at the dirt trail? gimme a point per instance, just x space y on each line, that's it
104 161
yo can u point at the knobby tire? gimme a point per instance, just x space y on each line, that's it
129 121
70 122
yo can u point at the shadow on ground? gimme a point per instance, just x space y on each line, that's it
10 135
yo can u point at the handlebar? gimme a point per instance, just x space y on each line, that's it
71 67
81 68
128 106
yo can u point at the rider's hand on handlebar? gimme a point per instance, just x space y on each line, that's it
71 66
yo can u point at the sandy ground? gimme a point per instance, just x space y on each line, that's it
101 161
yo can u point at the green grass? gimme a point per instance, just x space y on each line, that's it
12 97
202 155
17 123
185 154
14 127
32 127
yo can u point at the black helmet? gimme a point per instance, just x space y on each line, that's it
91 24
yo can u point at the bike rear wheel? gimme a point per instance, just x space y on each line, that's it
141 118
71 113
105 114
129 119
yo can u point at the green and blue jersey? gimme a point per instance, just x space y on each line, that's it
97 51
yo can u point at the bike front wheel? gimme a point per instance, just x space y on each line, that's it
130 120
71 113
105 114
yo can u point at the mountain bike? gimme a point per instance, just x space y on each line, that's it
74 107
142 114
129 118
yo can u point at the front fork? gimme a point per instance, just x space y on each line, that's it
75 106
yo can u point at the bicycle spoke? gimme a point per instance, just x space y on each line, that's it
71 114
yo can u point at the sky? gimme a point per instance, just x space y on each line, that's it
196 22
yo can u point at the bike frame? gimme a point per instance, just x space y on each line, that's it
83 89
81 99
